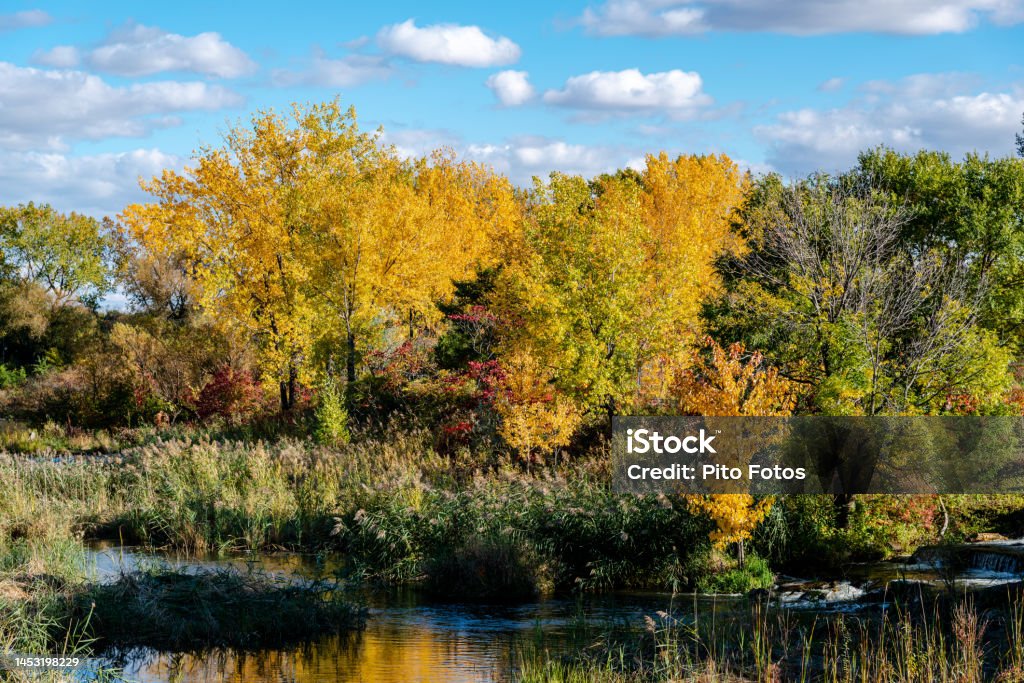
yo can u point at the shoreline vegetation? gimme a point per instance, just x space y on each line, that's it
411 363
402 514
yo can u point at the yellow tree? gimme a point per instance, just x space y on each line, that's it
534 417
393 235
304 230
241 215
731 382
609 275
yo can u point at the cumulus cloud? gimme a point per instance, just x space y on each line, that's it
136 50
27 19
61 57
344 72
797 17
99 185
521 157
42 108
512 88
677 93
447 44
921 112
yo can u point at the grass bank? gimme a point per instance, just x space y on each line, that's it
49 607
400 512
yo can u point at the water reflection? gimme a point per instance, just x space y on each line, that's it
408 638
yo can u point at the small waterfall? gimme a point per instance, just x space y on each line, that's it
1002 563
986 558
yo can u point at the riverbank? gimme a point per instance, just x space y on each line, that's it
885 633
403 514
52 604
470 527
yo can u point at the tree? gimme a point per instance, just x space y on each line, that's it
534 417
970 212
730 382
846 305
155 283
238 216
393 235
66 254
312 236
609 275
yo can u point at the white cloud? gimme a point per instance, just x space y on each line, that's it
677 93
98 185
45 108
447 44
512 88
345 72
27 19
798 17
921 112
831 85
523 158
136 50
61 57
519 158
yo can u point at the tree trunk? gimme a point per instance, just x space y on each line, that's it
285 404
350 359
292 378
741 553
611 415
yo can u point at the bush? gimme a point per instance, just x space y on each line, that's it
754 573
331 415
489 568
234 395
11 377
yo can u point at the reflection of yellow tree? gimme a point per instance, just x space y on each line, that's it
731 382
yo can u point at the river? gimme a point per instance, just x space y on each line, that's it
410 638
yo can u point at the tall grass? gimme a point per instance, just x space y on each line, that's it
954 644
397 509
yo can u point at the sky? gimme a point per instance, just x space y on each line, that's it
95 96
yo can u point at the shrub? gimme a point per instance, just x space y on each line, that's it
752 574
331 415
490 568
234 395
11 377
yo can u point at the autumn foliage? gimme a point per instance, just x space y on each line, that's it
731 382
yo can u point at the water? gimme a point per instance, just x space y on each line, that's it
410 638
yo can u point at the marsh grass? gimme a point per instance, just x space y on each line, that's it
952 643
180 611
399 511
48 606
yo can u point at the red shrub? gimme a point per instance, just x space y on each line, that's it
229 393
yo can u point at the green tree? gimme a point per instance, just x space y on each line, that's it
67 254
847 303
971 212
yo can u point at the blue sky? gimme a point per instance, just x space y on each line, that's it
93 96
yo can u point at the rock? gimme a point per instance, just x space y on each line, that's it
759 595
987 537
